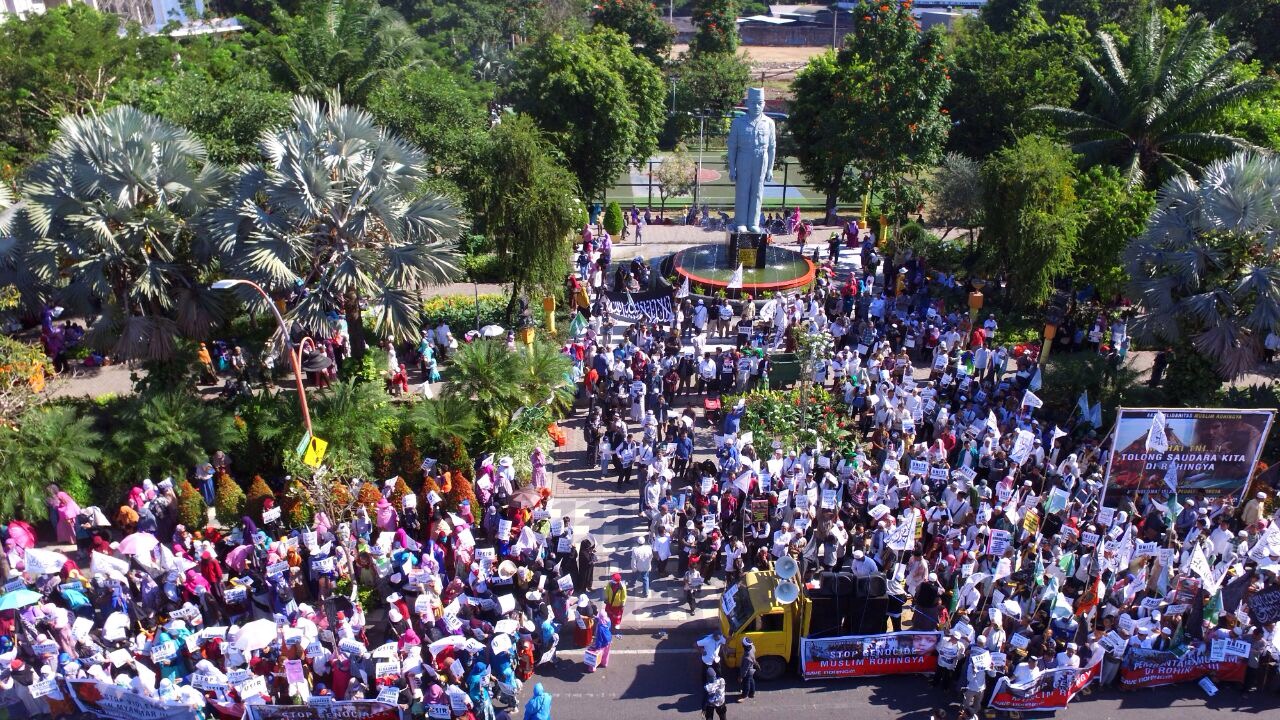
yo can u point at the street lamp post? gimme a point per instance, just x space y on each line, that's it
288 343
697 176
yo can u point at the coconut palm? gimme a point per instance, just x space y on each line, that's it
338 209
106 227
1153 113
1207 268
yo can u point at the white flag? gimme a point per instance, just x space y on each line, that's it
993 425
1035 383
735 282
903 536
1171 475
1057 434
1157 440
1199 564
1083 405
1095 415
1030 400
684 288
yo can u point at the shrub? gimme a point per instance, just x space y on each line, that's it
384 460
259 491
486 268
398 491
459 311
456 459
192 512
228 499
613 220
297 506
407 461
368 497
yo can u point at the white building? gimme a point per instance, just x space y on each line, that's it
150 14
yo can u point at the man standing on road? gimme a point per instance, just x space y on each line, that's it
747 672
713 704
641 563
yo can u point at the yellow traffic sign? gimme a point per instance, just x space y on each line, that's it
315 452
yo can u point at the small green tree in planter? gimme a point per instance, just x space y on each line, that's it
613 220
228 499
192 512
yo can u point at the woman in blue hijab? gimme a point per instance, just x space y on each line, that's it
539 706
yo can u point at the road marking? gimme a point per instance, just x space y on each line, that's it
639 651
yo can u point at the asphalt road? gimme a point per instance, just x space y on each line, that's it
650 677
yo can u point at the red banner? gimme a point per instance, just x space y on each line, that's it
1050 691
865 655
1152 668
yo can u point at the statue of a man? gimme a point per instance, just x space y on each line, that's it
752 145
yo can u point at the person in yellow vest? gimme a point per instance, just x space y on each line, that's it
615 600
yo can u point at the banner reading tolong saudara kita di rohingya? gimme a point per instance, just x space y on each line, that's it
1215 450
1051 690
863 655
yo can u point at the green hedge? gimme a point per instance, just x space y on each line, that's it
460 312
485 268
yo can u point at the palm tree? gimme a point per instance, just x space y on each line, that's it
355 416
441 419
338 209
488 375
106 228
1207 268
51 445
347 45
164 434
1154 116
546 376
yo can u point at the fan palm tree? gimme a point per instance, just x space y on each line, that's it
107 221
1207 268
338 209
1154 115
50 445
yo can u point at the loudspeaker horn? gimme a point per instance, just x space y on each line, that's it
786 592
786 567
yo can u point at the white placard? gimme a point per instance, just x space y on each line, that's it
1019 641
44 687
504 529
270 516
256 685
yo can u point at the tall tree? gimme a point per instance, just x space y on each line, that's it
600 103
640 21
1031 220
717 26
111 211
431 108
1004 66
955 194
529 204
337 207
1155 110
345 45
1111 214
675 176
876 105
52 444
1207 267
705 82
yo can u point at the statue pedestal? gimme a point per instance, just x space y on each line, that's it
747 249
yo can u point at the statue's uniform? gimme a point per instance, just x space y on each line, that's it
752 144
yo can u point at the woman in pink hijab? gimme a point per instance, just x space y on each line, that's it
386 516
68 510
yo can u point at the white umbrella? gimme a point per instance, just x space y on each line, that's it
116 627
492 331
256 635
138 544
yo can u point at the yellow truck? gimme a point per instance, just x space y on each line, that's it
776 614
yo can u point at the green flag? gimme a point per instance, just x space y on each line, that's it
1067 563
955 596
1213 608
1039 571
1178 644
1172 508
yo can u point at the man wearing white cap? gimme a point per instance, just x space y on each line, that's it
1253 510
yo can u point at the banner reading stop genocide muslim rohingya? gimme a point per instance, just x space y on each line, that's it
1215 450
865 655
1050 691
1152 668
